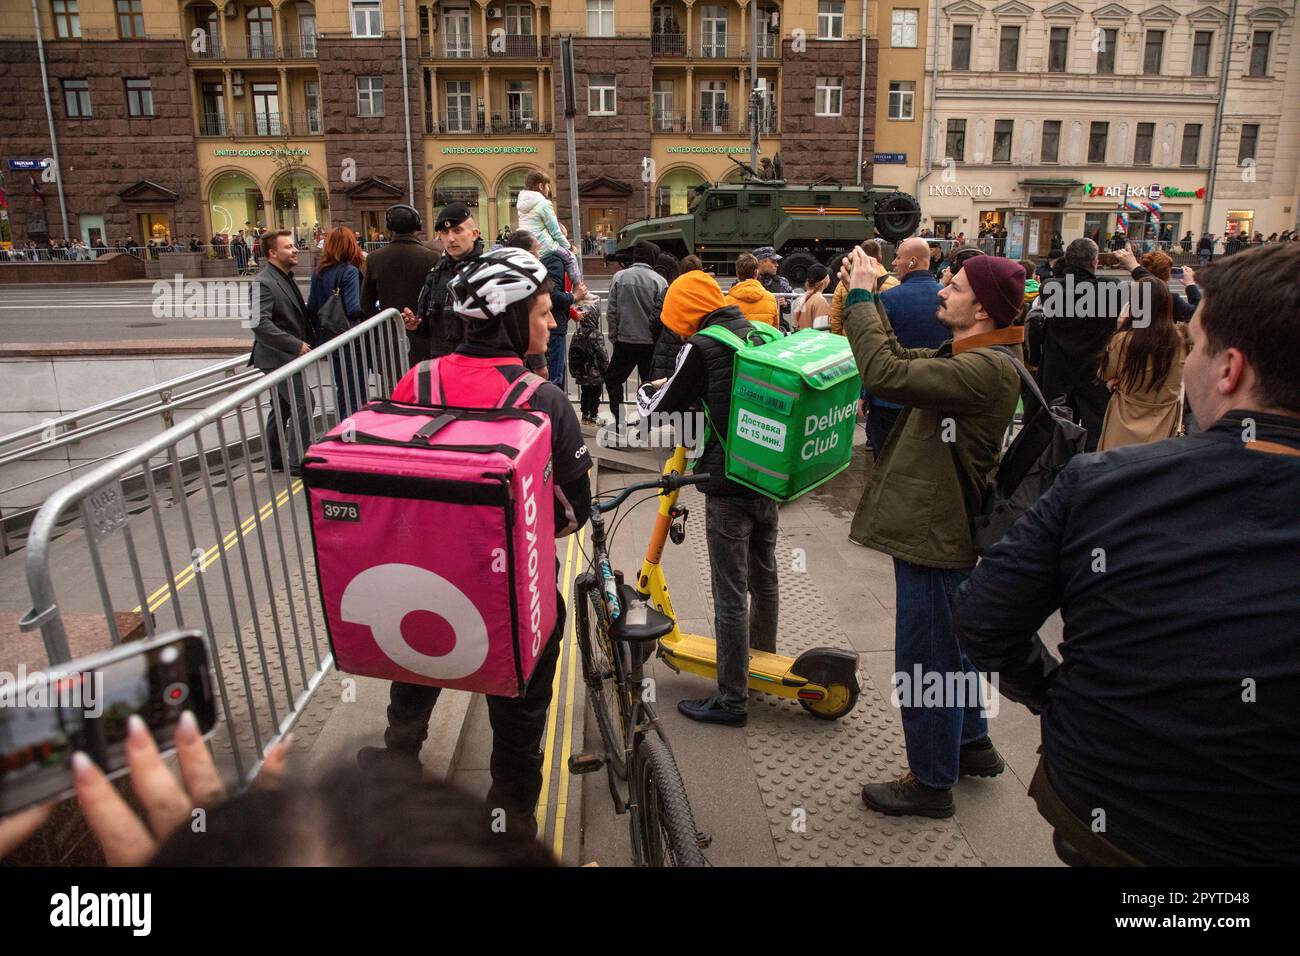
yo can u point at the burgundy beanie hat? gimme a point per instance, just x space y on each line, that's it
999 286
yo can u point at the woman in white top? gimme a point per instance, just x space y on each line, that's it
811 310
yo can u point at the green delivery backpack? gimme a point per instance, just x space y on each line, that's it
793 407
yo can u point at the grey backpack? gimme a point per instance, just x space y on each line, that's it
1046 442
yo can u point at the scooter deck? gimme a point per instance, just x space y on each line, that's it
698 655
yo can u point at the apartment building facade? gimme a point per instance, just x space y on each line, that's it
192 117
1054 120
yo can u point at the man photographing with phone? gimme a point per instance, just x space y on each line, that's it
958 400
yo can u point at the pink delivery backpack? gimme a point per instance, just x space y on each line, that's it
434 537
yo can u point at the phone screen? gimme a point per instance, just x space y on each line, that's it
84 705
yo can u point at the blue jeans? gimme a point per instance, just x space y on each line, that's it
555 353
923 636
880 422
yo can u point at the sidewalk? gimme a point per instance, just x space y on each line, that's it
745 785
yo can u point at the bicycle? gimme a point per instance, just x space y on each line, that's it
614 625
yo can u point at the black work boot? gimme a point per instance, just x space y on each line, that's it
371 758
908 797
980 758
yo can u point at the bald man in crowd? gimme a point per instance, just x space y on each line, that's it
911 308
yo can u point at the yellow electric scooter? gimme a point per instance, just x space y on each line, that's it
823 680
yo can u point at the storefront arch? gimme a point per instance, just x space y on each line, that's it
507 194
235 201
673 191
458 184
300 202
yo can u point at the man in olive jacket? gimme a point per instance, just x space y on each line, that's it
958 402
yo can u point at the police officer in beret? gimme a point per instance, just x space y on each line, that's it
433 317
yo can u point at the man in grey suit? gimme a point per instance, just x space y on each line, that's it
280 334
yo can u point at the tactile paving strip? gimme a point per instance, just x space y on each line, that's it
818 766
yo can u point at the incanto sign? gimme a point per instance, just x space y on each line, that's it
949 189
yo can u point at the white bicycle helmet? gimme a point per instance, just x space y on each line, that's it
486 286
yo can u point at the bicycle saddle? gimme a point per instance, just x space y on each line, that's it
639 621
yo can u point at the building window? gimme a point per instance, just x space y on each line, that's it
519 104
600 18
130 19
367 18
1002 130
1201 43
1009 49
956 145
76 99
1098 134
1154 52
902 98
1249 147
830 19
961 46
830 95
1051 140
139 97
67 22
1058 49
1142 145
1259 44
1191 144
602 95
460 107
370 96
1106 55
713 31
903 31
519 20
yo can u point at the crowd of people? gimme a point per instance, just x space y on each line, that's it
1170 551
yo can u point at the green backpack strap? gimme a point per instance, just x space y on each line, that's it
729 338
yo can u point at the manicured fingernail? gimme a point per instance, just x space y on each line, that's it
136 731
82 765
288 741
188 727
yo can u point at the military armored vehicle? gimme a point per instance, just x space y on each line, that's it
805 224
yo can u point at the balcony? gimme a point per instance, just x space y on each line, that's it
213 124
294 47
717 121
668 44
668 121
457 123
519 123
461 46
768 124
718 48
474 123
278 124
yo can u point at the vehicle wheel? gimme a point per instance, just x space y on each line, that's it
668 836
602 693
839 700
897 216
795 267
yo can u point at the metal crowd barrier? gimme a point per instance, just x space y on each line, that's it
232 555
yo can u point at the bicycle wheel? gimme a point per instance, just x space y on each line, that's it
599 675
667 834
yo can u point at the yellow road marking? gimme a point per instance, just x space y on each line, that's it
185 576
549 746
562 803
